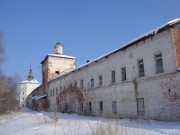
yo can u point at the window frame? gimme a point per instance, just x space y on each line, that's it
92 82
114 106
90 106
100 80
123 74
142 63
101 106
113 76
156 65
82 84
139 111
75 84
56 91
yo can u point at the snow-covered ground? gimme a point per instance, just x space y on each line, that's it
49 123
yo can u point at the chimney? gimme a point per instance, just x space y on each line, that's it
58 48
87 61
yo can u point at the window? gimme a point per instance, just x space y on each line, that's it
89 106
113 77
141 67
159 63
92 82
56 91
100 80
82 107
57 72
75 84
101 106
123 71
114 106
53 91
23 99
81 84
140 105
23 93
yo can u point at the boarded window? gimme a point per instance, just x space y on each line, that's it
140 105
141 67
123 71
114 106
159 63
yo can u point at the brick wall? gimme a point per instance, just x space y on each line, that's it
176 40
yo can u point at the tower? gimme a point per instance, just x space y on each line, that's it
56 64
26 87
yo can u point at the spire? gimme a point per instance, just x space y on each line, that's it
30 76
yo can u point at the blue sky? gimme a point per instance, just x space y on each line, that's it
86 28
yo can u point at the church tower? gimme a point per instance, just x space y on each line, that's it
26 87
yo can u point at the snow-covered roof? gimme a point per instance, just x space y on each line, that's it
39 97
30 81
152 32
62 56
58 55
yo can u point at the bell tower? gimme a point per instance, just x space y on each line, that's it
26 87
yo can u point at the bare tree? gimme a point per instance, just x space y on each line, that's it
2 51
8 85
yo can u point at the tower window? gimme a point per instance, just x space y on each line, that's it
57 72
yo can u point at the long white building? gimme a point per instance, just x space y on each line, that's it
140 79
